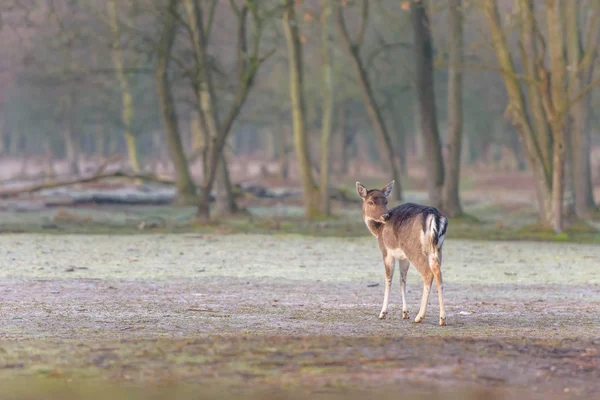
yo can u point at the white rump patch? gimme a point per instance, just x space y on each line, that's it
441 241
431 224
443 225
398 254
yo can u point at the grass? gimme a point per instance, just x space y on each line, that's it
480 222
277 321
59 390
464 227
288 367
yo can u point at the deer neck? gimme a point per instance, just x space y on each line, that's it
374 227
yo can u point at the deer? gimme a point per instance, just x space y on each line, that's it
410 233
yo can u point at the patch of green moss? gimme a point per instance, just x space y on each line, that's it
580 226
471 225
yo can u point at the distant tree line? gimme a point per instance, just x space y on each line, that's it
202 81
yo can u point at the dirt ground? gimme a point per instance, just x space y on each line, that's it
292 313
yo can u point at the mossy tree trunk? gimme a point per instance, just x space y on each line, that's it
127 107
207 101
582 51
451 198
540 118
423 48
69 135
296 79
327 94
186 191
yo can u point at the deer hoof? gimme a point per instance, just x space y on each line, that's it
405 315
418 319
383 314
442 321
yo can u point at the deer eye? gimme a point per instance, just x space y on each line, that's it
371 203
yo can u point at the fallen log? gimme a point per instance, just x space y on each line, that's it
257 191
53 184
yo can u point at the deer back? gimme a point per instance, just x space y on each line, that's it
410 230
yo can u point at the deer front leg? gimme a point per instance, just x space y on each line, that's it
427 281
388 262
404 264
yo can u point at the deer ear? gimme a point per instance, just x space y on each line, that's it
361 190
387 189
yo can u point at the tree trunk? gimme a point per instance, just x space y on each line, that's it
2 135
183 180
417 137
290 25
424 81
127 109
198 141
206 97
344 140
385 143
517 149
226 204
555 11
401 132
225 201
268 140
397 126
49 159
327 120
581 70
580 145
248 64
205 149
529 50
283 153
71 145
224 190
452 205
534 140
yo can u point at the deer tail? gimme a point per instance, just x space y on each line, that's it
435 233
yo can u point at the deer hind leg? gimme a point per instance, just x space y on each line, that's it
427 276
404 264
389 263
437 273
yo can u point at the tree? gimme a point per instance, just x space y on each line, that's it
581 51
554 104
540 117
186 190
248 63
203 85
353 48
67 101
67 113
327 120
451 200
127 108
423 47
296 85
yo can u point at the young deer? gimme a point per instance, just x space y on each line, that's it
410 233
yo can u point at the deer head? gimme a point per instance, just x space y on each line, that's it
374 202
